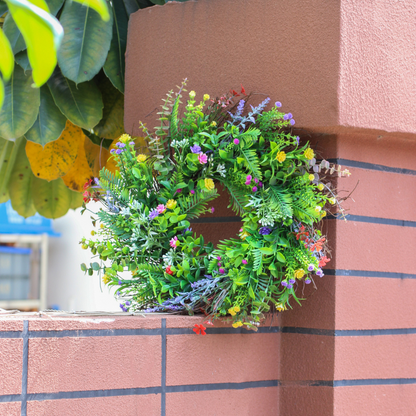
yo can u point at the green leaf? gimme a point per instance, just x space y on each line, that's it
52 199
86 42
76 200
8 153
54 6
50 122
13 34
22 59
95 266
111 125
42 33
1 93
3 7
251 293
7 59
266 250
81 104
280 257
114 66
100 6
20 184
20 107
83 267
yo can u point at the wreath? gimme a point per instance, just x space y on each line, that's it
274 182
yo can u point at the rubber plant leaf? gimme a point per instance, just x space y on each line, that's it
114 66
42 33
111 125
20 107
80 171
13 34
22 60
7 58
20 184
52 199
50 122
57 157
100 6
82 104
86 42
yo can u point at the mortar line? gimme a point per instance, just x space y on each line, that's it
25 336
163 381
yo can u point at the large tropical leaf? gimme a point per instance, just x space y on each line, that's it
20 107
50 122
80 171
81 104
57 157
7 60
42 34
51 199
111 125
13 34
132 6
86 42
54 6
100 6
20 184
115 63
8 153
22 59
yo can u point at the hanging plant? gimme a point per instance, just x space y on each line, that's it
274 182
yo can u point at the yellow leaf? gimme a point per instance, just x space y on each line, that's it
57 157
80 171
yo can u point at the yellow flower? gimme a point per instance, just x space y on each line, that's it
124 138
280 307
106 279
311 177
192 94
92 232
171 204
332 201
237 308
101 225
281 156
318 208
231 311
209 184
299 273
321 186
237 324
323 213
206 97
214 123
309 154
244 235
141 158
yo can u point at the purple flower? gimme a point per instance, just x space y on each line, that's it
278 104
120 145
244 261
153 214
284 283
265 231
123 308
260 184
291 281
128 303
319 273
236 141
297 140
120 282
222 271
311 267
254 189
112 150
286 117
289 115
195 148
118 151
131 143
292 122
289 286
307 281
240 108
118 293
96 180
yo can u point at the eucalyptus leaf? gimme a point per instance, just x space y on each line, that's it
20 107
111 125
50 122
52 199
114 66
13 34
86 42
82 104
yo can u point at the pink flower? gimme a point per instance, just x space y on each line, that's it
218 258
174 242
254 189
256 180
222 271
192 191
212 210
244 261
161 209
236 141
249 178
202 158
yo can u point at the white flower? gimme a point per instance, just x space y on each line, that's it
221 169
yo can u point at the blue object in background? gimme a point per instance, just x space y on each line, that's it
13 223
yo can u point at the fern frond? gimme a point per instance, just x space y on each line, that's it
196 204
282 201
258 261
238 198
252 162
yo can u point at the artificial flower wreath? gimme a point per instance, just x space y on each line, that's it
275 184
